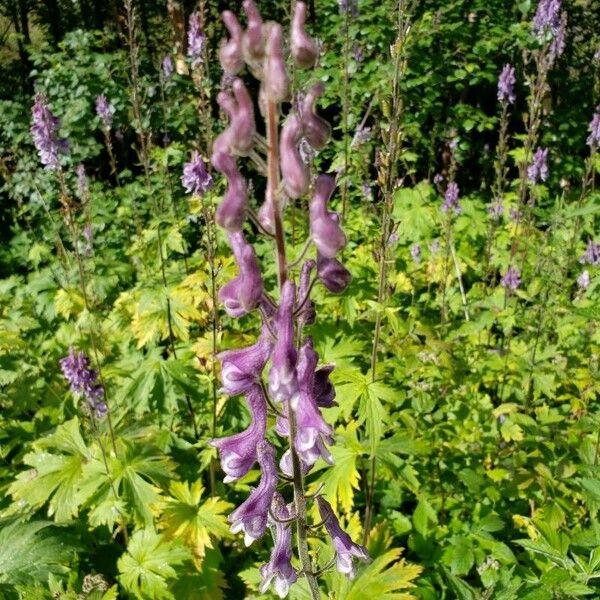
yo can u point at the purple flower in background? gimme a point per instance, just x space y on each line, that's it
44 130
438 178
88 236
583 281
557 47
596 57
350 6
361 136
496 209
512 279
196 39
332 274
167 67
82 380
279 567
196 179
358 53
538 169
346 549
515 215
451 199
547 17
592 254
435 246
367 191
594 129
415 252
506 84
82 182
105 110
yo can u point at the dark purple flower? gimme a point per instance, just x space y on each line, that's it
415 252
332 274
244 292
82 380
547 17
167 67
44 130
279 567
506 85
538 169
238 452
196 179
345 548
196 39
323 390
325 231
594 129
591 255
583 281
557 47
451 199
251 516
512 279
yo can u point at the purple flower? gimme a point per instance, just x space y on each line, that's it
332 274
434 247
451 199
196 179
315 130
238 452
592 254
557 47
594 128
233 209
82 380
294 172
538 169
279 567
167 67
303 48
44 130
105 110
506 84
583 281
358 53
325 231
276 81
496 209
230 53
323 390
547 17
82 183
415 252
367 191
244 292
515 215
196 39
361 136
512 279
88 236
438 178
349 6
251 516
346 549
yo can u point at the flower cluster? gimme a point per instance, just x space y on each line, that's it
196 179
44 130
105 110
82 379
592 254
593 139
296 387
451 199
511 279
196 39
547 17
506 85
167 67
538 169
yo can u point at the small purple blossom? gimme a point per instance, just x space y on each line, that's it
349 6
496 209
506 85
512 279
361 136
83 187
105 110
557 47
515 215
196 39
82 380
88 236
583 281
434 247
451 199
547 17
415 252
358 53
438 178
196 179
167 67
367 191
44 130
592 254
594 129
538 169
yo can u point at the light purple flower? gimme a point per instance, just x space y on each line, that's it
361 136
315 130
82 380
325 231
451 199
303 48
592 254
506 85
233 209
105 110
557 47
44 130
438 178
346 549
515 215
196 39
279 568
167 67
251 516
538 169
583 281
496 209
434 247
415 252
547 17
512 279
83 187
196 179
230 53
367 191
88 236
594 129
294 171
349 6
238 452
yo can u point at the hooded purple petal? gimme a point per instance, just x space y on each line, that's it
294 172
230 53
316 130
233 209
276 82
324 228
304 49
332 274
253 41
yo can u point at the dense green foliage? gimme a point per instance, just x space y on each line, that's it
468 414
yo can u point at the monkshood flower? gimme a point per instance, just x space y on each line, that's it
332 274
346 549
557 47
44 130
167 67
105 110
496 209
251 516
349 6
583 281
506 85
316 131
538 169
83 187
361 136
415 252
294 171
304 49
83 380
196 179
323 390
88 236
547 17
325 231
279 570
438 178
451 199
233 209
594 129
512 279
592 254
196 39
238 452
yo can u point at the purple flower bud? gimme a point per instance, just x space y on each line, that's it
323 390
233 209
283 383
415 252
594 128
306 313
332 274
238 138
196 179
238 452
167 67
196 39
44 130
316 130
244 292
82 380
547 17
496 209
279 567
592 254
304 49
583 281
105 110
230 53
324 228
294 172
451 199
253 40
241 368
276 82
538 169
345 548
512 279
251 516
506 85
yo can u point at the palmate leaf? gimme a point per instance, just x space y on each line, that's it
196 523
148 565
207 584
